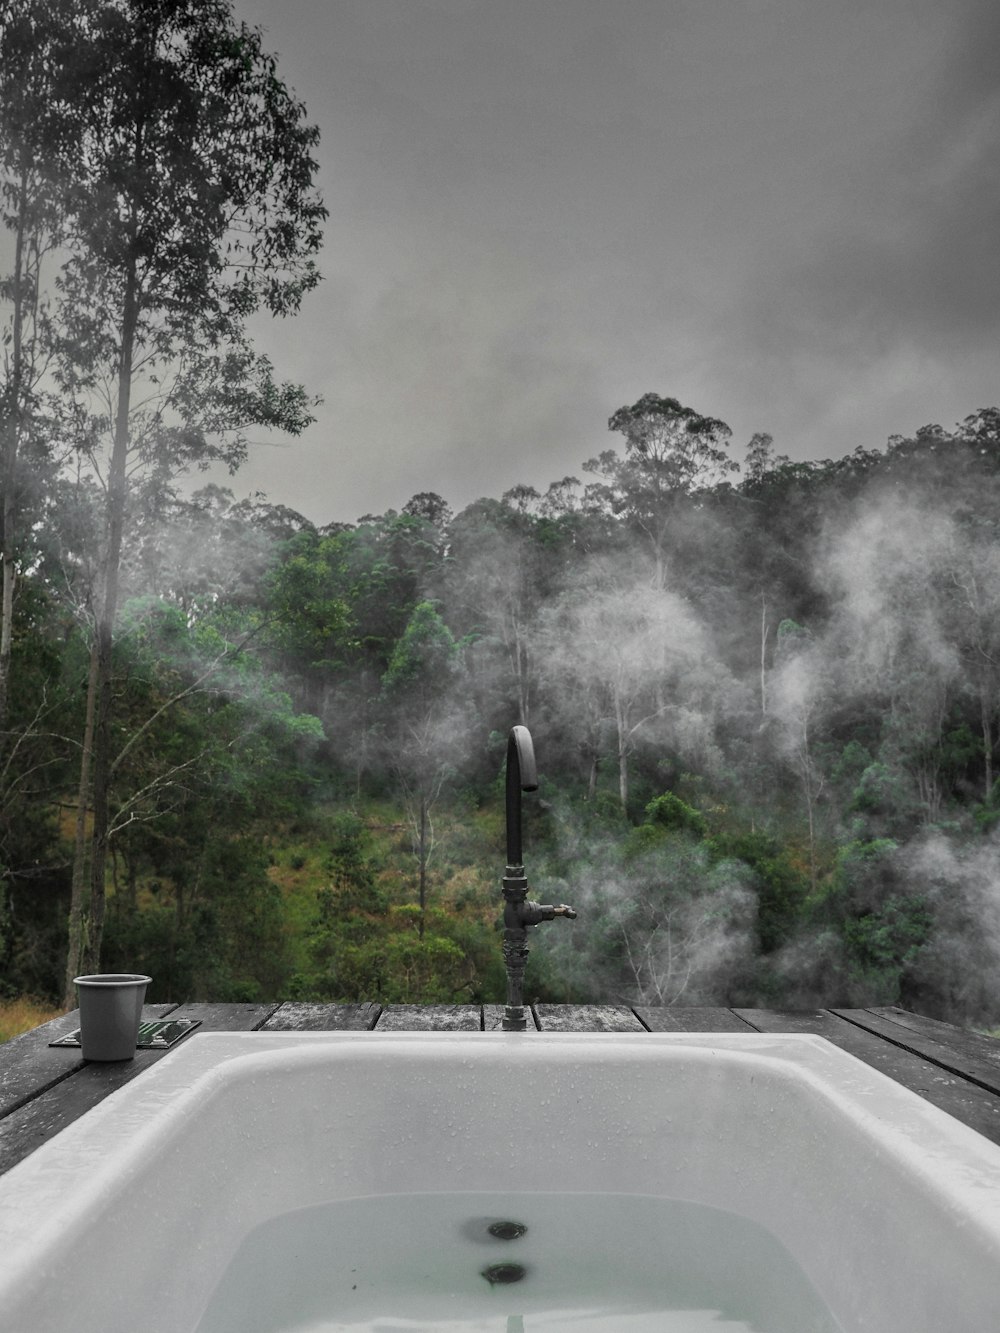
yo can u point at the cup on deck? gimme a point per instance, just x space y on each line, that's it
110 1012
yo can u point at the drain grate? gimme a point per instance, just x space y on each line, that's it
157 1035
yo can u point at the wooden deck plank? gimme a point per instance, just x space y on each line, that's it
972 1105
693 1019
79 1085
493 1018
30 1064
291 1017
585 1018
956 1038
226 1017
38 1120
981 1067
430 1018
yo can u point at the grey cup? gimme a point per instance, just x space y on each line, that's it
110 1011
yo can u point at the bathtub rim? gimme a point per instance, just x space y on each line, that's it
131 1116
83 1167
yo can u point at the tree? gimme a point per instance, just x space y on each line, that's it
187 205
799 688
670 451
621 659
30 212
761 459
428 726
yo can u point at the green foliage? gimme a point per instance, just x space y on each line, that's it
782 889
216 935
879 791
270 681
882 945
670 812
883 922
424 659
987 814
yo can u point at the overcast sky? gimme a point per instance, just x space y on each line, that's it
782 212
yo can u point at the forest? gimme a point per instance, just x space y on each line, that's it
260 758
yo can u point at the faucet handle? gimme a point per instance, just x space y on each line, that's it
546 911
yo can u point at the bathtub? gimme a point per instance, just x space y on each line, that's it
321 1181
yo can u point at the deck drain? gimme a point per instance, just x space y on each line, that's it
507 1230
504 1273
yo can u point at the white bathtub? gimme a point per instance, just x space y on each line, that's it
131 1218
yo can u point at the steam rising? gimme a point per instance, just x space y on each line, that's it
854 713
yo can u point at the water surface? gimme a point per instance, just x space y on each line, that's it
597 1263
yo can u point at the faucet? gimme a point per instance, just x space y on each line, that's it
519 914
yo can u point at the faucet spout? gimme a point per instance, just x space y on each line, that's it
519 913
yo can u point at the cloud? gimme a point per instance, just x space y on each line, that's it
909 257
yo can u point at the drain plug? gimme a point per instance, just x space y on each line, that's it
504 1273
507 1230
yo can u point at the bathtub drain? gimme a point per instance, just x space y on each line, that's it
504 1273
507 1230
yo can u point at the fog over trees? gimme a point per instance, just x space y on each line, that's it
764 695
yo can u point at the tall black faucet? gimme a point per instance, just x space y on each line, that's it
518 914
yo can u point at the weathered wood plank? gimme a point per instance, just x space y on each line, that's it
586 1018
979 1066
226 1017
956 1038
28 1065
291 1017
692 1019
972 1105
38 1120
430 1018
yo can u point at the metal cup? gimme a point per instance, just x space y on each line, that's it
110 1011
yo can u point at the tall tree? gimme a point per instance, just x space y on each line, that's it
670 451
428 725
629 655
31 215
188 206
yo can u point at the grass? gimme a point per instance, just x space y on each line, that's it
23 1014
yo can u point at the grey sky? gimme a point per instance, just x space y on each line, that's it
782 212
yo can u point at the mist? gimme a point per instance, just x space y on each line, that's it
821 696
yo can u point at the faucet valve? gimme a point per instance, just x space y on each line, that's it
531 914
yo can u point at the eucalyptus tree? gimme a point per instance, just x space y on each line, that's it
427 724
30 213
188 206
670 451
625 661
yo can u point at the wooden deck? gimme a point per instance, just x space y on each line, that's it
43 1089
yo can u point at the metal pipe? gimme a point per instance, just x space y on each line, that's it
522 775
520 915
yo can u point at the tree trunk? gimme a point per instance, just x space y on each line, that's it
987 721
78 919
11 443
763 654
622 726
423 860
87 920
